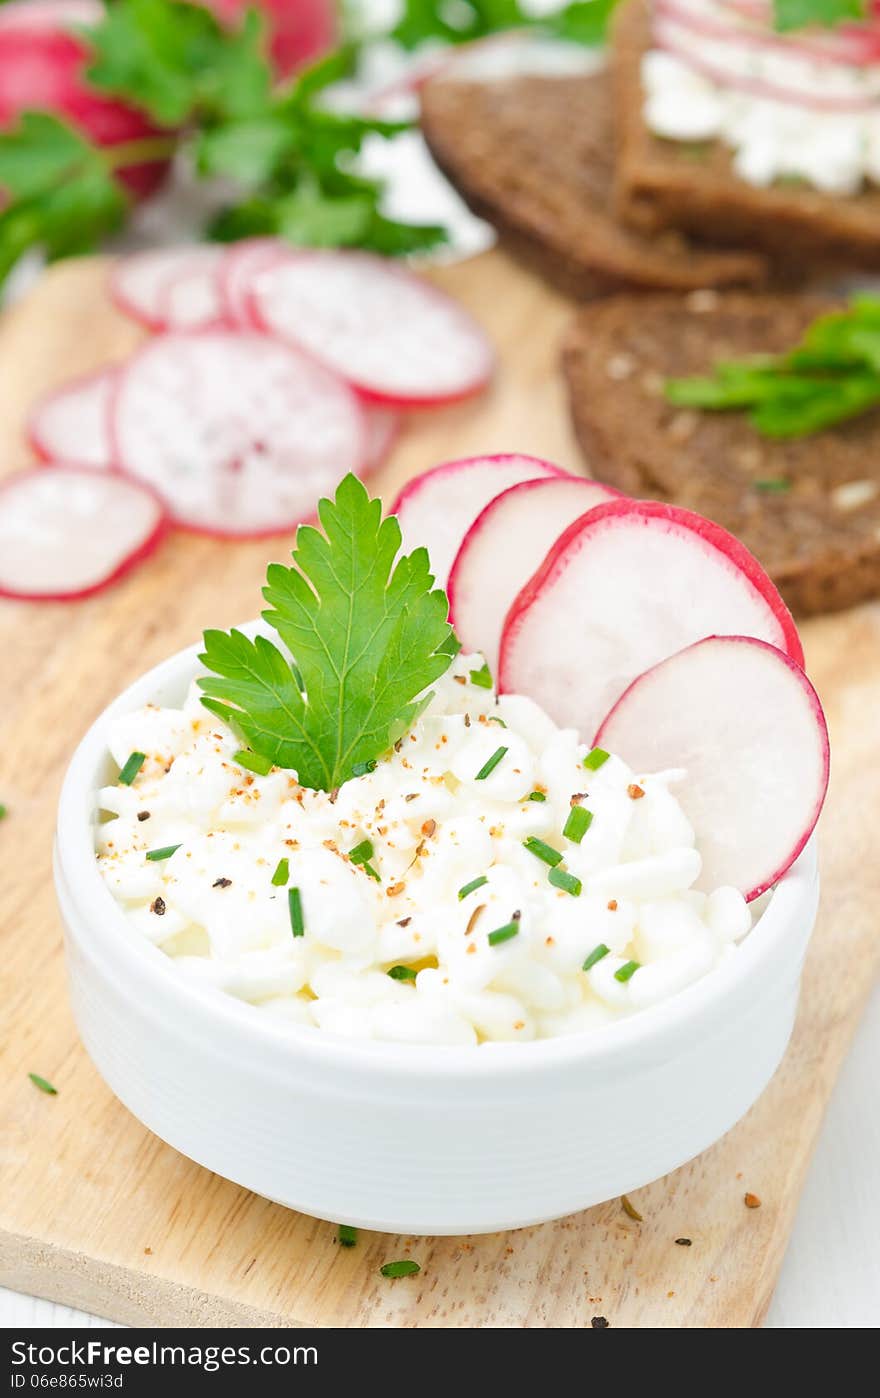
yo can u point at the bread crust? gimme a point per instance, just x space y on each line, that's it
820 538
660 184
533 155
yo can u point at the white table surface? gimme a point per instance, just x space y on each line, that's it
831 1274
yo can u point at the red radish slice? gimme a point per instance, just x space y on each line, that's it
238 268
504 546
67 532
240 435
438 508
745 723
382 427
623 588
190 298
71 424
139 283
395 338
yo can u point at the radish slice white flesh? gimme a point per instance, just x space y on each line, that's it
392 336
138 283
66 532
382 427
438 508
240 435
72 424
504 546
623 588
190 298
241 263
745 723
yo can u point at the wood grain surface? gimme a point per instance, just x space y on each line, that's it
98 1213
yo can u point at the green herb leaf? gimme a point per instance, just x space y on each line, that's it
472 886
577 824
295 908
402 973
583 21
132 766
362 853
504 934
569 883
347 1235
253 762
43 1084
282 873
797 14
4 811
157 855
542 851
366 630
404 1268
489 766
537 796
597 954
482 678
596 759
627 971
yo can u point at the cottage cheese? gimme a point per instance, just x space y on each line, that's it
435 827
785 113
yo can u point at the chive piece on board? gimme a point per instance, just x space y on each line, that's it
133 765
43 1084
627 971
541 850
504 934
474 884
596 759
348 1236
597 954
578 823
560 878
294 903
282 873
489 767
254 762
155 855
405 1268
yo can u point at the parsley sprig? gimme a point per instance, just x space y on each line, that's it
832 374
583 21
799 14
368 635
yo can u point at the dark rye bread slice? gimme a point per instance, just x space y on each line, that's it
533 155
820 538
662 184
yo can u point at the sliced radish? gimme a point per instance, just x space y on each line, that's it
72 424
504 546
623 588
190 298
239 434
438 508
66 531
745 723
240 264
382 427
140 284
393 337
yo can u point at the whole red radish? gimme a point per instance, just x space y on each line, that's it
299 30
42 66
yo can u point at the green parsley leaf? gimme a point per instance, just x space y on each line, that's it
583 21
797 14
367 631
830 376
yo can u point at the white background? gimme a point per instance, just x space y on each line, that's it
831 1275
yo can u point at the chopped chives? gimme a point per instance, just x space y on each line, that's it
482 677
773 485
133 765
627 971
578 823
43 1085
360 769
542 851
405 1268
402 973
504 934
348 1236
362 852
164 853
597 954
467 888
373 873
254 762
294 904
499 721
537 796
489 767
282 873
561 879
596 759
3 812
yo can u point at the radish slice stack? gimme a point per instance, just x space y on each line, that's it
67 532
238 416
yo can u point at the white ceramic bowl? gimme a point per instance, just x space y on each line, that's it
412 1138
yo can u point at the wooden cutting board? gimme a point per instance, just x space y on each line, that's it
97 1213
